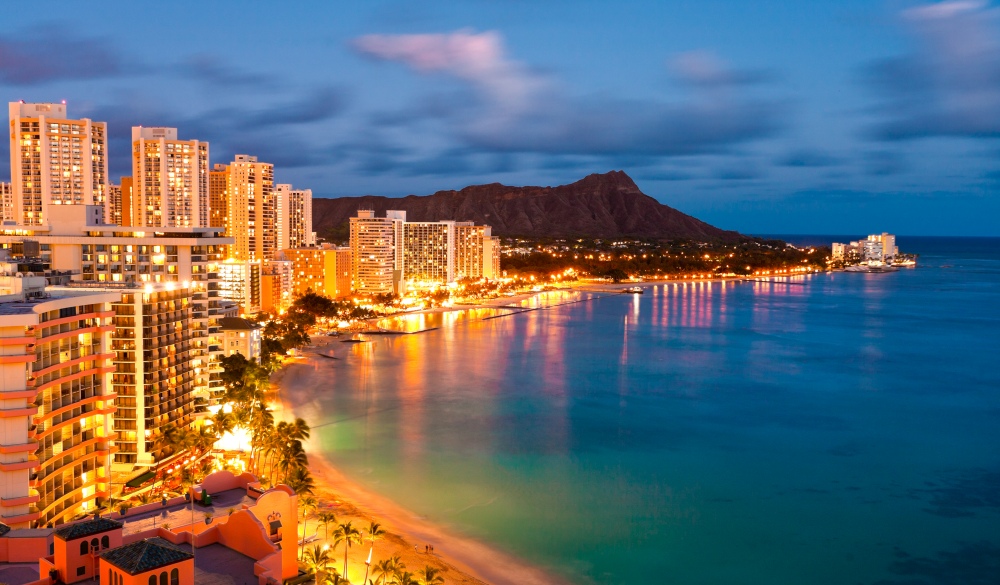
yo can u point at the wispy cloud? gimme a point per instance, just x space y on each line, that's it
511 108
54 53
949 85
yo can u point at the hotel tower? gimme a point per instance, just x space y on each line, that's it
170 180
54 160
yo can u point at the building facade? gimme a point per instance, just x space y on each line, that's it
240 336
293 217
239 282
376 260
7 202
325 270
57 439
250 209
55 161
428 253
170 179
277 285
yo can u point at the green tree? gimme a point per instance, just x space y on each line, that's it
316 559
430 576
326 519
347 534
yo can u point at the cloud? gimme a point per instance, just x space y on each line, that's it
949 85
53 53
807 157
316 105
884 163
210 69
509 108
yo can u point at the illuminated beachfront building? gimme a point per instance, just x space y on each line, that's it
325 270
250 213
155 362
239 282
477 252
170 179
376 259
114 213
293 217
55 161
56 438
428 252
127 206
99 254
875 248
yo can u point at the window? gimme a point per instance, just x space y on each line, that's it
175 577
105 542
94 544
81 570
84 548
163 578
152 580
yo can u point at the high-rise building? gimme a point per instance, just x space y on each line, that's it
477 252
293 217
7 202
99 254
325 270
155 358
218 205
240 336
128 203
250 209
115 204
170 179
240 283
56 436
376 259
55 161
429 252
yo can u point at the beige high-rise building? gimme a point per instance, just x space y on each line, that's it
293 217
55 161
218 205
115 204
276 285
56 435
325 270
429 252
170 179
250 215
376 259
7 202
240 283
477 252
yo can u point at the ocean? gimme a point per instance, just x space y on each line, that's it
826 429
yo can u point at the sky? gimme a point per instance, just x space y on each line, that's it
827 116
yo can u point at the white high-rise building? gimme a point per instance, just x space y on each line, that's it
55 161
376 259
170 179
6 202
250 214
293 217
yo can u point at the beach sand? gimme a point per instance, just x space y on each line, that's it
463 560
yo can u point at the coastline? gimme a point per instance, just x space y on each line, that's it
463 560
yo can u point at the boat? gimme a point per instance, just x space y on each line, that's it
871 268
635 290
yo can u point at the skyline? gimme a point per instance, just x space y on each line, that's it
828 118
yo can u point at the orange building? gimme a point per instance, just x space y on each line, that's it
152 561
76 547
325 270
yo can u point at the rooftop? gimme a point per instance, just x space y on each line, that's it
26 307
146 555
236 323
87 528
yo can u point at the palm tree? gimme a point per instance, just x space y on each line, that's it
301 481
307 504
317 559
375 532
326 518
332 577
387 567
429 576
404 578
348 535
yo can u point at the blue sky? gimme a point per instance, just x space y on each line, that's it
766 117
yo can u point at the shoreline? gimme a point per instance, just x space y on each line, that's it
463 560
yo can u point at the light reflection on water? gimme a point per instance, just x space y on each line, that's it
701 432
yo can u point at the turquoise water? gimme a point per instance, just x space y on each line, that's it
831 429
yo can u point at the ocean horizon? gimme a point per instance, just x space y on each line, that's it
828 428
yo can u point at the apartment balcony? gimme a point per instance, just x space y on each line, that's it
31 463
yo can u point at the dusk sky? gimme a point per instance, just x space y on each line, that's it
839 116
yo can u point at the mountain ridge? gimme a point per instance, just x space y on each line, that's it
607 205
